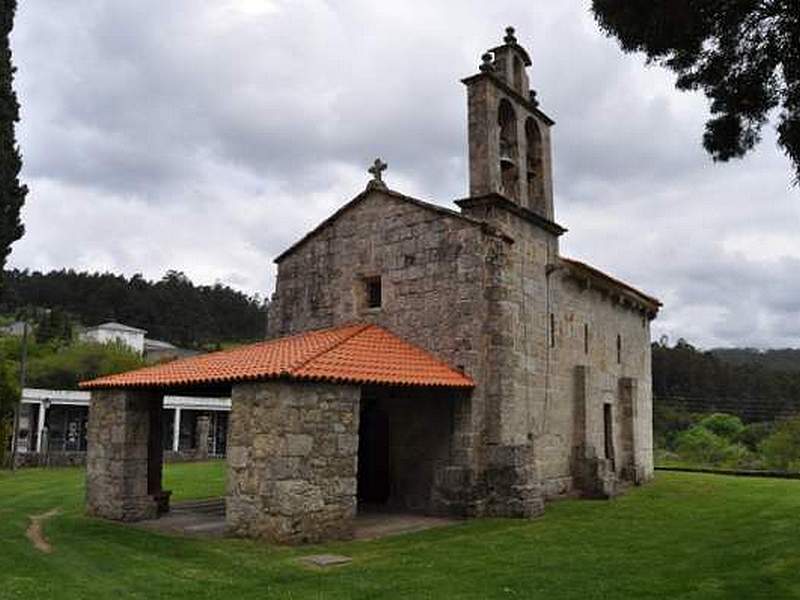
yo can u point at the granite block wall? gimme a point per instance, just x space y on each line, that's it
292 460
117 454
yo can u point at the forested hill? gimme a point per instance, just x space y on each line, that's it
683 370
172 309
785 359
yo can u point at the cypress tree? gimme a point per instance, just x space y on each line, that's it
12 192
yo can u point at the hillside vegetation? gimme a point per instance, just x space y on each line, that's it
172 309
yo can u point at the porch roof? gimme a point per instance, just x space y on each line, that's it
356 353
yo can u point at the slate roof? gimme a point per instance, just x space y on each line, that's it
357 353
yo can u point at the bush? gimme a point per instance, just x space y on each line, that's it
65 368
668 423
753 434
700 445
724 425
781 450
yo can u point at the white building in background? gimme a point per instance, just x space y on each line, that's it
134 338
54 421
112 332
17 329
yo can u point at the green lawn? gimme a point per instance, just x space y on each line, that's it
683 536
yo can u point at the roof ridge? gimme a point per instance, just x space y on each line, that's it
359 328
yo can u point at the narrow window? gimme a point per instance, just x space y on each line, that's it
374 292
552 330
586 338
619 349
518 75
608 431
509 169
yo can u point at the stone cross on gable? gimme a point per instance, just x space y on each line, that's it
376 170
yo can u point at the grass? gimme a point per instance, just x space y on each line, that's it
684 536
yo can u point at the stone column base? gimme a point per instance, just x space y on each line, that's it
456 493
595 478
128 510
512 486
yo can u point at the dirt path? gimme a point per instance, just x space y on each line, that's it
35 534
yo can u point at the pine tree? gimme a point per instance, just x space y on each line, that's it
12 192
744 55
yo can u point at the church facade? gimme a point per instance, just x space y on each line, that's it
559 351
418 358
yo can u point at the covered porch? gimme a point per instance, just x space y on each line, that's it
323 425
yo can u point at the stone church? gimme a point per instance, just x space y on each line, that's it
417 358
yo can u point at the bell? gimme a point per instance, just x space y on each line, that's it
506 162
506 158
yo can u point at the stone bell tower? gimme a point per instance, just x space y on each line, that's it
509 137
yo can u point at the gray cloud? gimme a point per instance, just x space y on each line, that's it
207 136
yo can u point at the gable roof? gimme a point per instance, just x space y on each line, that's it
485 227
359 353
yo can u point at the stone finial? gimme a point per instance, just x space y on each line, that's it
487 66
377 169
510 37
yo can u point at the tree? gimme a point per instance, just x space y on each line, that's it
12 192
9 398
743 54
172 309
781 450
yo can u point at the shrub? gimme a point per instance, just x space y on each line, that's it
781 450
723 425
755 433
669 422
69 365
700 445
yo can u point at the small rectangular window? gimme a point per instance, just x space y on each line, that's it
608 431
374 292
586 338
619 349
552 330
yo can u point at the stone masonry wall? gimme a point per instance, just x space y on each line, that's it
481 302
434 269
625 384
116 459
519 299
292 460
483 101
533 399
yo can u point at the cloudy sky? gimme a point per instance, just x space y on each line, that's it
207 135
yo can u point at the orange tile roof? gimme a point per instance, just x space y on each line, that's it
360 353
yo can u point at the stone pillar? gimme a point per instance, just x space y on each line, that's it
40 426
457 490
155 456
512 483
629 414
201 432
176 431
117 460
292 461
593 474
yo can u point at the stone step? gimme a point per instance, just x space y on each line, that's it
210 506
